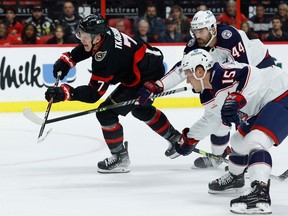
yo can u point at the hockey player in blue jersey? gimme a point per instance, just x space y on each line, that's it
258 98
224 43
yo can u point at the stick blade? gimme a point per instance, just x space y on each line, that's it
41 138
30 115
284 176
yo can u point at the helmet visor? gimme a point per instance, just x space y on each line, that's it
83 36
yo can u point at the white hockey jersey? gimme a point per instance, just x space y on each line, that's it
258 86
231 45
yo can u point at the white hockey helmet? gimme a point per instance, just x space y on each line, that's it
203 19
195 58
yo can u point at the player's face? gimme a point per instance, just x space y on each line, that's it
202 36
195 78
191 79
85 38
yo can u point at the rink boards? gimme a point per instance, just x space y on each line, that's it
26 72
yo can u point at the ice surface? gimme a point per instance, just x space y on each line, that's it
58 176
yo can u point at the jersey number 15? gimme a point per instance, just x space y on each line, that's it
228 77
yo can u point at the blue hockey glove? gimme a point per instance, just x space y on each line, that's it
185 145
229 112
147 91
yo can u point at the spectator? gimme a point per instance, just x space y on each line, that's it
181 21
202 7
260 23
229 16
143 32
246 28
283 14
59 36
120 25
276 34
156 24
5 38
14 27
44 25
28 36
170 35
69 21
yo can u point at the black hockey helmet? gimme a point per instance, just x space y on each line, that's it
93 24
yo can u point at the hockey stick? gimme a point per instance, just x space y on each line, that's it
40 136
34 118
210 155
280 178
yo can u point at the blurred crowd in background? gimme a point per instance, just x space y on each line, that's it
55 22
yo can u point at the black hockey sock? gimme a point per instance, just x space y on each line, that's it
113 136
155 119
160 124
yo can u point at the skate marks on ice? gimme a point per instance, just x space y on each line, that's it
71 186
17 151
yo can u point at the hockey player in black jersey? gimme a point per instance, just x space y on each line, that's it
116 58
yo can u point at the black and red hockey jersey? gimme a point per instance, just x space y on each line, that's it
117 59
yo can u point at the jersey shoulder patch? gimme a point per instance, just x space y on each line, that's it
100 55
191 42
226 34
191 45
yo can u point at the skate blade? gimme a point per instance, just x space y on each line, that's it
228 191
116 170
174 155
241 208
207 168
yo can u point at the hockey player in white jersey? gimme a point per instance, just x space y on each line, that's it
224 43
258 98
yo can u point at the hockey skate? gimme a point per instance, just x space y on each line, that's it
172 141
208 162
118 163
256 202
226 184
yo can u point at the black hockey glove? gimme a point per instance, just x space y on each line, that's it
63 64
147 91
229 112
58 94
185 145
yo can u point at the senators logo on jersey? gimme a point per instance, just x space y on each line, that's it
99 56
